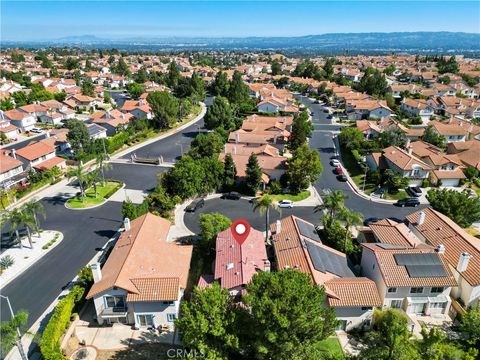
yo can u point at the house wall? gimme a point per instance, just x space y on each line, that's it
99 302
158 309
379 113
403 292
11 173
26 124
470 295
354 316
139 114
268 108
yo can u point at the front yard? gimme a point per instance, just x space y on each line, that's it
103 193
332 347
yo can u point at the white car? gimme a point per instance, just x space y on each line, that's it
335 162
285 204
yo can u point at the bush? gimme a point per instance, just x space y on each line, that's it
58 323
6 262
425 183
117 141
275 187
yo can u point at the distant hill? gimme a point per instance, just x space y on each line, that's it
434 42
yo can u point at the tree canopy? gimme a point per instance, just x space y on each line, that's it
303 169
164 107
461 207
302 128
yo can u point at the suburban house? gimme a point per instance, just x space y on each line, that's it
36 110
416 280
467 152
417 107
371 129
11 171
111 120
364 109
461 251
274 104
39 155
447 168
277 139
235 263
144 277
81 102
11 132
297 246
402 162
256 122
96 131
22 120
451 132
140 109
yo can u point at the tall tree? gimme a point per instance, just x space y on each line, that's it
14 219
121 68
351 219
276 67
431 136
102 165
263 205
173 76
304 168
333 203
302 128
253 177
88 89
210 225
220 84
470 326
229 171
219 115
373 82
461 207
8 331
164 107
394 137
206 145
77 173
238 91
135 90
288 316
35 207
26 219
208 323
78 136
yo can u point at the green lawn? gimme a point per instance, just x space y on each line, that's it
356 172
401 194
298 197
332 346
90 200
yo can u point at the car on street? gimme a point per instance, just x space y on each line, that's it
414 191
194 205
342 178
232 195
335 162
285 204
370 220
408 202
338 170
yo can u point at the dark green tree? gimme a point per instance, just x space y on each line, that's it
253 177
392 137
373 83
302 128
88 88
461 207
220 84
219 115
135 90
431 136
210 225
164 107
206 145
173 76
304 168
229 172
238 91
276 67
78 136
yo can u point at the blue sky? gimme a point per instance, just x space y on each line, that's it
36 20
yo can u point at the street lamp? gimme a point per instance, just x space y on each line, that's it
19 335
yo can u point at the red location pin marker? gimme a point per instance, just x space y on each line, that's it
240 230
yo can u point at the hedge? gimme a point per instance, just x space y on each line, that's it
50 344
117 141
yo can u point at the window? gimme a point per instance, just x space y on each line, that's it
436 290
145 320
416 290
396 304
171 317
365 308
169 303
114 301
437 305
392 290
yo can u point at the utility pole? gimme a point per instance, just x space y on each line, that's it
19 335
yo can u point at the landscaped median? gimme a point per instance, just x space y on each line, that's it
93 199
293 197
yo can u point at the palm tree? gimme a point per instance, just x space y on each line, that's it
35 207
333 204
6 197
77 172
102 165
14 218
27 220
264 204
351 219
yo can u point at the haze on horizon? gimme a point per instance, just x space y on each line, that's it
47 20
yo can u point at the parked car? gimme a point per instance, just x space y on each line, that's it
36 130
232 195
370 220
285 204
335 162
342 178
338 170
194 205
414 191
408 202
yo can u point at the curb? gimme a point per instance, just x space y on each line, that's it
94 206
22 270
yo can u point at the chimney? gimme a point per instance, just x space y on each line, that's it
463 262
14 153
421 218
126 224
266 265
97 272
440 249
410 150
278 227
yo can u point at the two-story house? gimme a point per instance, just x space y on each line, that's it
112 120
39 155
402 162
140 108
416 280
297 246
451 132
10 131
11 171
144 277
417 107
22 120
365 109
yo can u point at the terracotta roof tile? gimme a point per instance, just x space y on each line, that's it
155 289
352 292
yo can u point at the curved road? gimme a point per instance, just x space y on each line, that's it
85 231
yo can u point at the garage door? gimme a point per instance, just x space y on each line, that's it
450 182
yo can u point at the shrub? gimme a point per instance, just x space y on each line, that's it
58 323
6 262
85 276
117 141
425 183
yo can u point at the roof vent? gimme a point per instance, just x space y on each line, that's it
229 266
441 249
421 218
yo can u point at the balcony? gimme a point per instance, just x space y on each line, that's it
110 312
